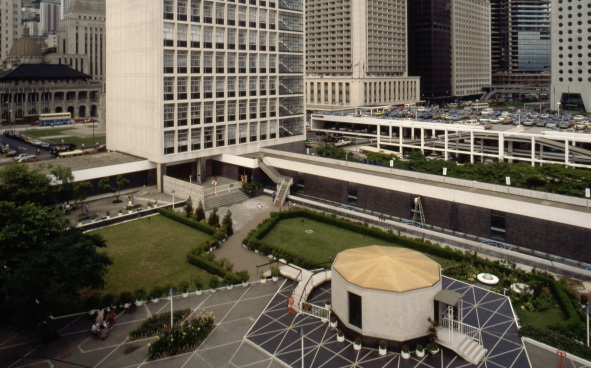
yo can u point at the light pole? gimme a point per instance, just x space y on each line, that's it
172 192
93 141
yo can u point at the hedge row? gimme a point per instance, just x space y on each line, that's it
173 215
557 340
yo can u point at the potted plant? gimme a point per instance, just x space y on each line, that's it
263 277
432 332
213 283
185 288
306 306
433 348
120 213
108 213
328 303
340 336
149 204
333 320
420 351
243 276
405 352
229 281
79 219
198 286
357 343
155 203
383 347
275 273
157 292
140 297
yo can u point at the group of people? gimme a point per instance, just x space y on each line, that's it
101 327
66 208
130 201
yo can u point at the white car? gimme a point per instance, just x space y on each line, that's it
25 158
578 117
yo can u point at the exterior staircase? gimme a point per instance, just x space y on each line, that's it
283 182
223 199
463 345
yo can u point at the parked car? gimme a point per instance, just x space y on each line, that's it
23 157
8 152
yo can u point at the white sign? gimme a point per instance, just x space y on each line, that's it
587 192
391 163
444 171
508 180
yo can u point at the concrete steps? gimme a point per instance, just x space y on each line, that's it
224 199
463 345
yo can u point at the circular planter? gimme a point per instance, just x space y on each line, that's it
126 305
382 351
357 346
244 283
434 352
120 214
139 303
275 278
263 281
230 287
420 353
334 324
212 290
270 256
198 292
185 294
256 251
405 355
155 300
328 306
340 338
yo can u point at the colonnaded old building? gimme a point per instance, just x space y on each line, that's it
30 87
188 80
356 55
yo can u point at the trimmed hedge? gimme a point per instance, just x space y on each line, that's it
173 215
557 340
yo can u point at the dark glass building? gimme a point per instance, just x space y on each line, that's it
429 46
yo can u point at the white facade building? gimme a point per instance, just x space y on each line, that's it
356 54
188 79
10 26
471 47
50 17
571 55
81 38
65 4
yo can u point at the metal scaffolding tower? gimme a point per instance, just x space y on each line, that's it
418 212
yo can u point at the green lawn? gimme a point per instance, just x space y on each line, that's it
148 253
540 319
40 133
323 242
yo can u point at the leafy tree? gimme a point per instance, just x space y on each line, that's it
214 218
62 175
105 184
18 184
81 190
227 223
189 207
200 212
42 259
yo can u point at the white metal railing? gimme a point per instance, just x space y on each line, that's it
222 188
463 328
315 310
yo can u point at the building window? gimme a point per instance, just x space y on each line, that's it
220 110
195 113
196 139
168 116
355 310
208 113
253 132
220 139
182 140
168 142
168 36
242 132
168 9
181 114
181 88
208 135
168 61
497 225
168 88
195 88
231 134
352 194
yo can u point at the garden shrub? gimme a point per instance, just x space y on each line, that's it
173 215
557 340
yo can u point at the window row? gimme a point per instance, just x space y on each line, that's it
198 10
197 62
197 36
220 87
195 139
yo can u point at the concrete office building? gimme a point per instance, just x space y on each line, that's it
520 42
449 47
356 55
50 17
81 38
187 80
10 26
471 54
571 55
65 4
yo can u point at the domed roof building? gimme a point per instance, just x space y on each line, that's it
385 292
25 50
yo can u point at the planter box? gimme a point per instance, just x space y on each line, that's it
263 281
340 338
254 193
405 355
356 346
420 353
382 351
334 324
198 292
185 294
275 278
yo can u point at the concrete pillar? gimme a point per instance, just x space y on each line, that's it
533 151
501 147
566 152
160 172
510 150
423 140
472 147
446 144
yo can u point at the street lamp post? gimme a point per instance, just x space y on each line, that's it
172 192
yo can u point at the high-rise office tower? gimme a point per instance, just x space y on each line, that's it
190 79
81 37
50 17
520 36
571 55
65 4
449 46
10 26
356 54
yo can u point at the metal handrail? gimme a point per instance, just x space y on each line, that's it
222 188
463 328
315 311
305 291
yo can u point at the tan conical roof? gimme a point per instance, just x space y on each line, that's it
387 268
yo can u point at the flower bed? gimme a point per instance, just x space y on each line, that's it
187 332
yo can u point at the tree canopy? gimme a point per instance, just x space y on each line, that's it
42 258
